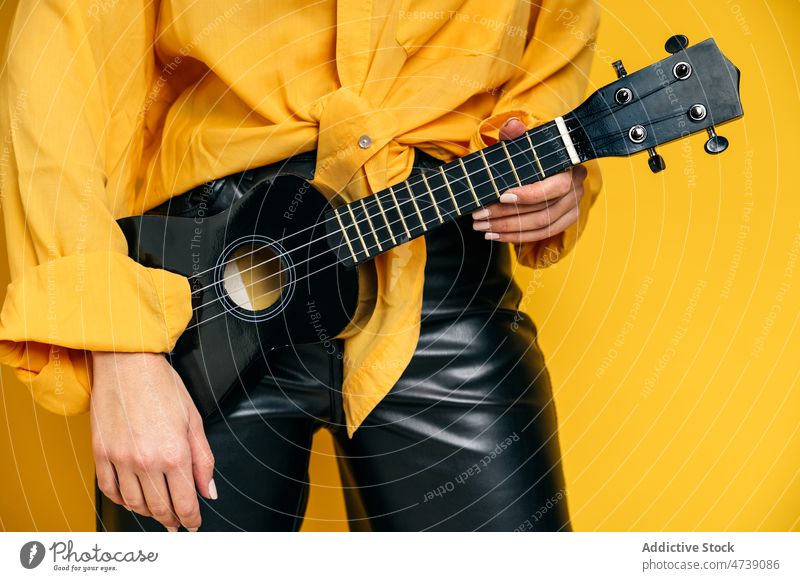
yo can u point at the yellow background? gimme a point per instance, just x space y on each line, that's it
671 332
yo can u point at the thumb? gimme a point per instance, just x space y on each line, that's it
512 128
202 458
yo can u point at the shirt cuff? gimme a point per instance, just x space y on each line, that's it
58 311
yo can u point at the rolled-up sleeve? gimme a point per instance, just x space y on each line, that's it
77 76
550 80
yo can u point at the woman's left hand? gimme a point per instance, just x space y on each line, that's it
534 211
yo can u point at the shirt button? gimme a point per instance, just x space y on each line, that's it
364 141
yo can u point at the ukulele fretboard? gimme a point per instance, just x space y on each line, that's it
361 230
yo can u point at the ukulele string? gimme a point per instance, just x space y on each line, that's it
385 225
379 228
280 288
402 203
593 118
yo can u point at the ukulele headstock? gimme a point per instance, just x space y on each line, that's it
694 89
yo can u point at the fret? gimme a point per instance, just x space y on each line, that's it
535 156
416 207
444 207
524 163
469 182
425 201
365 213
399 212
371 227
393 218
551 151
480 179
504 174
344 233
358 230
433 199
411 203
449 190
385 219
456 175
489 172
510 162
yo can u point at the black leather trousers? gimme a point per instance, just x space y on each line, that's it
465 441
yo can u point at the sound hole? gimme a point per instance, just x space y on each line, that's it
253 276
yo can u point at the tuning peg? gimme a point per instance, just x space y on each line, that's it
656 162
676 43
716 143
619 68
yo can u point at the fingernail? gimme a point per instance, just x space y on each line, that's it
509 120
172 529
509 198
480 214
480 225
192 530
212 490
492 236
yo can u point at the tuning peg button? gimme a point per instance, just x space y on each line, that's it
623 95
716 143
656 162
676 43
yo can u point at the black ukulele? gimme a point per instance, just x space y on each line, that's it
263 278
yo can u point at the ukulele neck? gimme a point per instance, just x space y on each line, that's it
361 230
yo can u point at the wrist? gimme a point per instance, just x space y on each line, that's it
102 360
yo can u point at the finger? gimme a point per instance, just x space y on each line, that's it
107 479
202 458
553 187
131 492
528 220
499 209
156 494
184 498
512 128
534 235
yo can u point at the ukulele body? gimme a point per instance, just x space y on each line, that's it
262 273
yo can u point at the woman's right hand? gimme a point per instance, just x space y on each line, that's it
149 444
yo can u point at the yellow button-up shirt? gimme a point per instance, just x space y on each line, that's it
111 107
